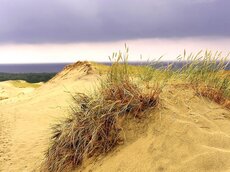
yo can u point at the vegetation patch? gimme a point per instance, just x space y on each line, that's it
208 76
211 93
95 125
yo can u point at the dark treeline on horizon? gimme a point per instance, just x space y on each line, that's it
29 77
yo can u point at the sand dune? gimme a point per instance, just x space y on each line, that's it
26 119
187 133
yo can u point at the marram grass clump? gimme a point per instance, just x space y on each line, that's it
95 125
208 76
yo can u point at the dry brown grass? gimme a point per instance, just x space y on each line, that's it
208 75
227 104
213 94
95 127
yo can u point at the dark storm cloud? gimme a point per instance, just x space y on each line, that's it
63 21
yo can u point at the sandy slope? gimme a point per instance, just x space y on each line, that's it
25 120
187 133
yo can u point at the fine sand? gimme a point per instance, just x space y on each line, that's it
186 133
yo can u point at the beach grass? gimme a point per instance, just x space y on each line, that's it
95 124
206 73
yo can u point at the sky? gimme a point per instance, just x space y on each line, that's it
37 31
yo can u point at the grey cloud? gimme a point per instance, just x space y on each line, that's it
64 21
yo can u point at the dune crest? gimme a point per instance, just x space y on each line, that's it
74 71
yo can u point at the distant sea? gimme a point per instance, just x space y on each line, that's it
56 67
32 68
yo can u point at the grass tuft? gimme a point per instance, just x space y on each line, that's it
207 74
95 125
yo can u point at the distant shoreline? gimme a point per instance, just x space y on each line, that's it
56 67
